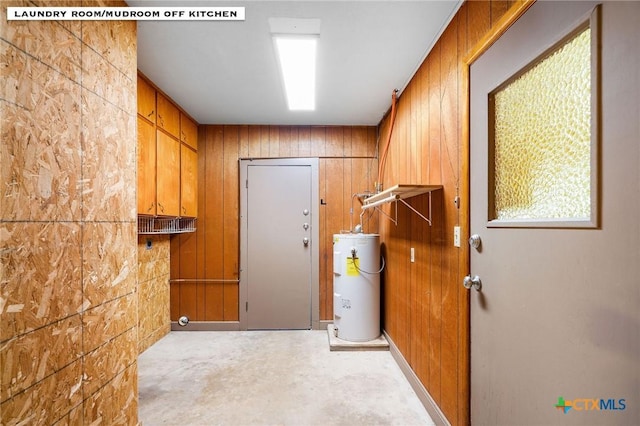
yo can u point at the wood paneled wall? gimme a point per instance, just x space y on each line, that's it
425 307
347 166
68 276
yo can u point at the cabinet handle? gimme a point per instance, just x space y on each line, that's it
160 120
184 210
151 113
161 208
150 207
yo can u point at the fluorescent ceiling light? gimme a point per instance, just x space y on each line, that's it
295 41
297 57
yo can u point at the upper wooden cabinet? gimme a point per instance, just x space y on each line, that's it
168 116
168 175
188 131
167 156
188 182
146 100
146 168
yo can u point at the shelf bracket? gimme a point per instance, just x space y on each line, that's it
399 193
416 211
378 209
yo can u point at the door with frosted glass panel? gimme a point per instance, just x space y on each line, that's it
538 274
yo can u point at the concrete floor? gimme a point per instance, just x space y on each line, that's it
271 378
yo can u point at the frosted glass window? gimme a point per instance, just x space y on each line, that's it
541 141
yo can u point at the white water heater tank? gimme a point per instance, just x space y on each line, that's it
356 286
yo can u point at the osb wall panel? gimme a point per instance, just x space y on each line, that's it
48 400
153 290
42 174
109 261
109 163
154 311
115 355
68 258
61 345
425 307
347 165
153 262
114 403
36 257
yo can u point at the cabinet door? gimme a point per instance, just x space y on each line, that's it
146 168
146 100
189 182
188 131
168 116
168 175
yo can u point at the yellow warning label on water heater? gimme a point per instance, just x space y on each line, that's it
352 266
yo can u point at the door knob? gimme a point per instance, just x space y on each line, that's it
305 226
305 241
474 282
475 241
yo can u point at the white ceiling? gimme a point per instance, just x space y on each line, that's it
225 72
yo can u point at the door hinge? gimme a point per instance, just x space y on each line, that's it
246 307
246 183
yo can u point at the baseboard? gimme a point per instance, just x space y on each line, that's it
429 404
206 326
323 324
226 326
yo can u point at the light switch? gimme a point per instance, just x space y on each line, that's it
456 236
413 255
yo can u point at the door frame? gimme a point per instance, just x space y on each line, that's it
243 296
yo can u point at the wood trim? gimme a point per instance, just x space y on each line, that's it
464 336
500 27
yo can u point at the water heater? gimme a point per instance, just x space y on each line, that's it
356 286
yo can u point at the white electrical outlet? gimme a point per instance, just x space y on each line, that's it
413 255
456 236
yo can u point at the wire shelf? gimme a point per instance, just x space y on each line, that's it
165 225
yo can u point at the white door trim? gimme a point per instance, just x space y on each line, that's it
315 233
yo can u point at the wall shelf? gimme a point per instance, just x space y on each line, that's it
400 193
148 225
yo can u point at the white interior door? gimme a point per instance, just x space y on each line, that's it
554 327
278 267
